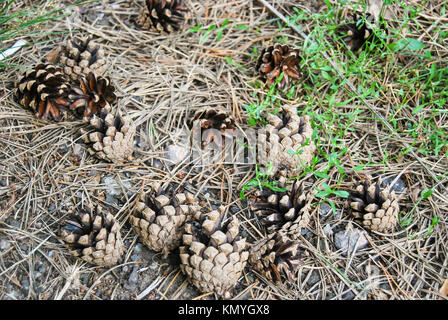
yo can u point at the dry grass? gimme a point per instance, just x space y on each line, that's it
161 80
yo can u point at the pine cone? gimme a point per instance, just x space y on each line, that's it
213 255
111 137
287 212
44 90
93 235
376 207
357 32
277 59
81 58
159 217
288 142
162 15
276 257
93 94
217 118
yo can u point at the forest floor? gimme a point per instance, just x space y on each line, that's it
394 126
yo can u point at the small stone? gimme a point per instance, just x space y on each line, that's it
314 278
4 244
324 209
111 200
138 248
234 209
348 240
25 284
174 154
3 183
328 231
153 266
77 149
113 188
125 269
399 186
133 278
51 207
135 257
92 173
348 295
12 295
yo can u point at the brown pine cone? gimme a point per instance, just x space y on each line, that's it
277 59
81 58
93 235
357 32
215 118
162 15
93 94
159 217
288 142
375 206
213 255
110 137
276 257
287 212
44 90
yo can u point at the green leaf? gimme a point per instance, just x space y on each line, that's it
233 63
333 207
196 29
426 193
323 194
321 175
418 108
242 27
219 36
341 193
406 44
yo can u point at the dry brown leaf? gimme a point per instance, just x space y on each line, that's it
53 55
444 289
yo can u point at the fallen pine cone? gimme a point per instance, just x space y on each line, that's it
278 59
287 141
213 255
159 217
276 257
43 89
162 15
92 94
375 207
81 58
93 235
286 212
110 137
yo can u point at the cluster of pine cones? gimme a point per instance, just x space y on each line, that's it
167 218
72 85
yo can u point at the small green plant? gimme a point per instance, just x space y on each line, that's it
408 219
214 27
262 179
328 191
254 110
